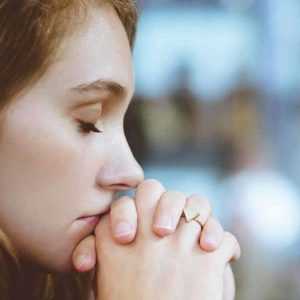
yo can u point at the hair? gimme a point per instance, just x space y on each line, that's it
31 35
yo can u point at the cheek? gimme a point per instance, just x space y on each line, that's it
37 156
44 177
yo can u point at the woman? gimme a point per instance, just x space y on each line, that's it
66 81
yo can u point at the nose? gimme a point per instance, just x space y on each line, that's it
121 171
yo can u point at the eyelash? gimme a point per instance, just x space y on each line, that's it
86 128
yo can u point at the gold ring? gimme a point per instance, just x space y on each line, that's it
191 214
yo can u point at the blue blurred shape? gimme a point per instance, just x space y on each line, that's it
215 46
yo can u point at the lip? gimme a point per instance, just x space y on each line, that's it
85 224
99 214
90 220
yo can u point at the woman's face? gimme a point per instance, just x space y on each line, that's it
52 172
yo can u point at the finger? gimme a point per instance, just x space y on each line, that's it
189 233
230 248
229 284
103 237
212 235
168 212
147 196
201 205
84 256
123 220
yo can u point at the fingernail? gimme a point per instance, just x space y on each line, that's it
83 260
123 229
164 222
211 241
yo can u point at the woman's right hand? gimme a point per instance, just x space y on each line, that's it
169 268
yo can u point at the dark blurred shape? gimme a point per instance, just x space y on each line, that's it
135 131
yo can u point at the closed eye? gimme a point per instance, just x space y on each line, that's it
86 128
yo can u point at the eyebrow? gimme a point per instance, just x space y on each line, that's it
101 85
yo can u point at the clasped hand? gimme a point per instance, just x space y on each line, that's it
143 249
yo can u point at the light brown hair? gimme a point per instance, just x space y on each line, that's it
31 34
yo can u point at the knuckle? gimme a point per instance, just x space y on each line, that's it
203 208
151 184
231 239
174 196
122 202
236 246
204 202
193 202
228 237
213 222
210 226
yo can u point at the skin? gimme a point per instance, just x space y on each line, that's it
170 268
52 174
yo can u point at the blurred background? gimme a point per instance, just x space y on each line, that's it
217 112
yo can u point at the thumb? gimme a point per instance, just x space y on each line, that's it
84 256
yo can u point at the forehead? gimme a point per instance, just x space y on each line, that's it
97 49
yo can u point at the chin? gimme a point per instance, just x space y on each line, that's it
59 266
57 262
66 267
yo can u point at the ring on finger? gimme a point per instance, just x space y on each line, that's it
190 213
